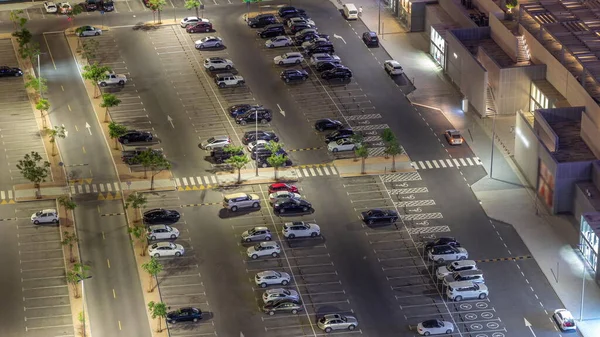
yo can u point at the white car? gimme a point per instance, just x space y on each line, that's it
257 143
45 216
265 248
299 229
344 144
64 8
50 7
279 41
297 20
434 327
209 42
216 142
289 58
455 266
280 294
214 63
191 20
280 195
270 277
165 249
162 232
332 322
307 44
564 319
393 68
440 254
453 137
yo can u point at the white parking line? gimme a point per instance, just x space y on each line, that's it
183 285
41 278
48 327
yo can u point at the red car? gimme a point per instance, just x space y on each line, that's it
282 187
200 27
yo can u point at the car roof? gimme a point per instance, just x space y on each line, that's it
261 228
269 273
164 244
49 210
220 137
157 226
236 195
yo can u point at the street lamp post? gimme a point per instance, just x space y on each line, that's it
256 138
493 141
40 76
582 284
379 17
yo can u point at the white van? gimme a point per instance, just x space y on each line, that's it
350 12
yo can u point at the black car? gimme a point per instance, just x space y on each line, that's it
289 75
219 155
377 215
340 72
370 39
324 66
261 115
129 156
251 136
318 43
262 20
184 315
339 134
264 163
328 124
447 240
272 30
328 49
161 216
108 5
135 137
90 5
263 153
10 71
285 306
300 26
240 109
292 205
309 36
291 12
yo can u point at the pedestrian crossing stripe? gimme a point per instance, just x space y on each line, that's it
514 258
316 170
446 163
6 197
94 188
312 165
306 149
195 187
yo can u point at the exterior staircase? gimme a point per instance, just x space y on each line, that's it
490 102
523 55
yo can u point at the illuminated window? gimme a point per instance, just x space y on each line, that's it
437 47
589 243
537 99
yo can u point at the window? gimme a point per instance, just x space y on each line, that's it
437 47
589 243
537 99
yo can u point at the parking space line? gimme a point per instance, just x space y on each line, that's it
42 297
454 313
48 306
424 294
184 285
42 278
47 287
44 317
48 327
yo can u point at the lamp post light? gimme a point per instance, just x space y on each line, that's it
256 139
493 140
582 283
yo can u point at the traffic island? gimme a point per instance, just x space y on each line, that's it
373 166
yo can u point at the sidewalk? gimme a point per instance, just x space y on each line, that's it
552 240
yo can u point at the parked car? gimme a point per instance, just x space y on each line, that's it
324 57
209 42
328 124
262 20
280 195
434 327
165 249
229 80
283 306
265 248
276 187
200 27
262 116
306 31
6 71
279 41
240 109
272 30
279 294
191 20
344 144
110 78
44 216
134 136
457 291
292 205
108 5
296 27
251 136
235 201
50 7
329 49
258 233
290 75
324 66
564 319
184 315
340 72
370 39
456 266
333 322
64 8
314 43
291 11
264 163
263 152
393 68
440 254
217 63
257 143
215 142
298 19
339 134
309 36
444 240
90 5
379 215
271 277
219 155
161 216
301 229
88 31
453 137
162 232
289 58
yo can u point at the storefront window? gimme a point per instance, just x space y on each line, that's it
589 243
437 48
546 184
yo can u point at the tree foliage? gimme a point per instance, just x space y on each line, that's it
79 272
136 201
57 132
34 169
109 101
362 152
153 161
157 6
88 49
38 84
153 268
393 149
43 105
139 233
67 203
115 131
193 4
95 73
238 162
70 239
158 310
277 161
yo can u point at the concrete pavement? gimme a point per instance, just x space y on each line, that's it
552 240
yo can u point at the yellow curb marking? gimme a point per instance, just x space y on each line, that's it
63 88
120 325
4 202
104 238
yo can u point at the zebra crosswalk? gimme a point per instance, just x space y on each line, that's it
446 163
316 170
6 197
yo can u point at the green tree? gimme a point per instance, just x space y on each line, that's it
68 204
195 4
31 51
139 233
88 49
238 162
153 268
23 37
157 6
158 310
153 161
387 135
94 73
79 272
17 20
57 132
75 10
43 105
109 101
277 161
70 239
362 152
393 149
33 169
510 4
115 131
38 84
357 139
136 201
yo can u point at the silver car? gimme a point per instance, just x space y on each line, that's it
162 232
280 195
209 42
279 294
332 322
215 142
88 31
258 233
279 41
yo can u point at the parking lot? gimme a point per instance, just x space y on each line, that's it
18 127
403 261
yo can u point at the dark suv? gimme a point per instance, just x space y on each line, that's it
240 109
262 20
263 153
337 72
219 155
272 30
328 49
370 39
251 136
257 115
108 5
290 12
90 5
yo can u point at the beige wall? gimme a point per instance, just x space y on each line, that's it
488 6
457 13
492 68
514 87
503 37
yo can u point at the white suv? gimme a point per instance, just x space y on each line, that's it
457 291
455 266
301 229
443 253
229 80
265 248
288 58
270 277
45 216
213 63
240 200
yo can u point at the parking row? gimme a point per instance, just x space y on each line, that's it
18 128
401 254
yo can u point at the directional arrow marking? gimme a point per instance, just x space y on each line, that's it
339 37
87 126
170 121
527 324
66 132
280 110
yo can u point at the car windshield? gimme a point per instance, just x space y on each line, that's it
211 140
258 246
252 231
451 267
455 136
38 213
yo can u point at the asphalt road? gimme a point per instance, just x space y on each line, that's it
376 273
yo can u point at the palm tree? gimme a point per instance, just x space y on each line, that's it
43 105
136 201
363 153
68 204
69 239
